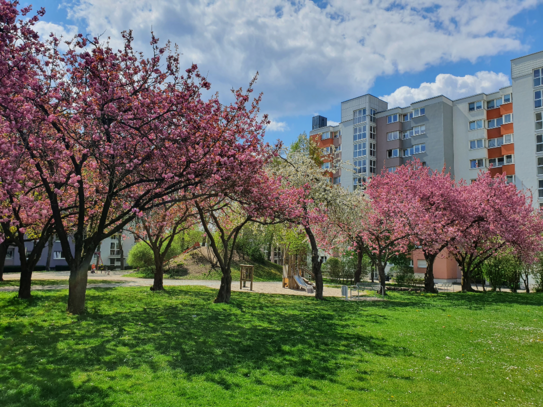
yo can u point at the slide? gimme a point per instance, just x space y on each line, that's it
302 283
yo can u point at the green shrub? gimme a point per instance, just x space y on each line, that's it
141 255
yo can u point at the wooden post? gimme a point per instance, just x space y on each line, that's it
246 274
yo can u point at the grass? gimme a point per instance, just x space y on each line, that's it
15 283
136 347
262 272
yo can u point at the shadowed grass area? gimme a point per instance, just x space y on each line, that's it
137 347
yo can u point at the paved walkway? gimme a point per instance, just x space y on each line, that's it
116 279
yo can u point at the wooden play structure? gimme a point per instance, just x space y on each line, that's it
293 273
246 274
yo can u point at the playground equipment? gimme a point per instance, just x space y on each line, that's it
246 274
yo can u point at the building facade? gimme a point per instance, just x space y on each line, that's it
482 131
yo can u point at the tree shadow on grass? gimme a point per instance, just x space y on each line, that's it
179 331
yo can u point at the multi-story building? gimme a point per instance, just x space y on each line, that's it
464 136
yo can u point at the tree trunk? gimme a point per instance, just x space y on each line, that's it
25 281
223 296
3 253
316 264
466 281
121 250
358 272
382 279
429 283
78 285
49 253
158 282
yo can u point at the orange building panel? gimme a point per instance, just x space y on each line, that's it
508 149
495 171
508 169
493 113
507 108
445 267
494 133
494 152
507 128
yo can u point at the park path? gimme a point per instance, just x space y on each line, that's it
116 279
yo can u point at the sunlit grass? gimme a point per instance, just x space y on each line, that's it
135 347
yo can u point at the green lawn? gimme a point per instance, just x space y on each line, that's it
139 348
262 272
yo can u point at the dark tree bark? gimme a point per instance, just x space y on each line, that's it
358 272
50 243
78 284
4 246
158 279
121 250
466 280
382 278
429 283
316 264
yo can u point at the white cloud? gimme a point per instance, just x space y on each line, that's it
332 123
277 126
310 57
454 87
67 32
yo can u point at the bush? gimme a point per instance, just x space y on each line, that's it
141 255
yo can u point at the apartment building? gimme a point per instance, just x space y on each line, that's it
464 136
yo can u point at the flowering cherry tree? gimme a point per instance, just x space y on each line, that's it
158 228
503 221
110 133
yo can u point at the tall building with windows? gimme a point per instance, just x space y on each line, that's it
464 136
501 132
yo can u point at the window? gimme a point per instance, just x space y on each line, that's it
508 159
493 104
359 150
360 167
492 124
407 117
326 150
478 163
325 166
393 153
495 142
373 132
359 116
538 76
508 118
418 130
416 149
391 169
336 134
510 179
507 98
476 125
538 121
58 256
358 182
395 135
539 143
372 115
540 188
373 166
372 149
393 118
359 133
507 139
325 136
475 144
407 134
540 166
419 112
9 254
475 106
337 180
421 264
537 98
495 162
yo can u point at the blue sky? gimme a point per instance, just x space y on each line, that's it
312 55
